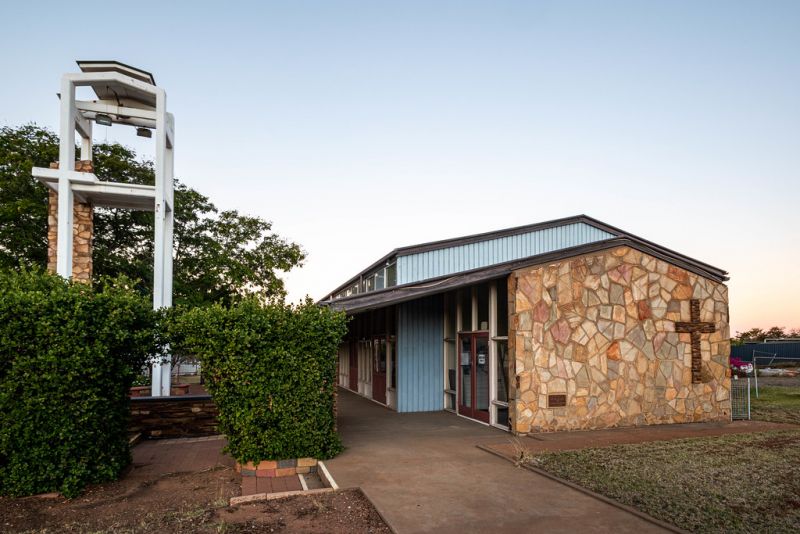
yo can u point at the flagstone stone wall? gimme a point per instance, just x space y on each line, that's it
595 345
82 230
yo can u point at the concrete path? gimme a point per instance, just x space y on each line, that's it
425 474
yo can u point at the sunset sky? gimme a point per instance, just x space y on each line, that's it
358 127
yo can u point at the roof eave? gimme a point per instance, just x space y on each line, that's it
406 292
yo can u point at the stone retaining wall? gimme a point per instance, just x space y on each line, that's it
604 340
174 417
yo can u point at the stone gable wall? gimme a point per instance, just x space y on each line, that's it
600 329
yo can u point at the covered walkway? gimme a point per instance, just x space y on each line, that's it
424 473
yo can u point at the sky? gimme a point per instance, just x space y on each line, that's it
358 127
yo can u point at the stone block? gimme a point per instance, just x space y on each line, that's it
267 464
306 462
282 464
285 471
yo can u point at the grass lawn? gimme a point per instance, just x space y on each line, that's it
777 404
734 483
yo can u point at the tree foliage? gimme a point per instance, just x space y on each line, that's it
218 255
23 201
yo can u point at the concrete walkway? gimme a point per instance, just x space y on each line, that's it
424 473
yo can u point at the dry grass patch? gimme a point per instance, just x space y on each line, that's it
777 404
734 483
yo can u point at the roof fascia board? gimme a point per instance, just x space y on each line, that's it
670 255
382 297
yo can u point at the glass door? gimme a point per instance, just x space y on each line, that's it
473 383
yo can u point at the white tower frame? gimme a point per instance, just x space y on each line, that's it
143 105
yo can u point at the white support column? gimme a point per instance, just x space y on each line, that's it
160 208
492 352
66 162
162 368
169 220
86 142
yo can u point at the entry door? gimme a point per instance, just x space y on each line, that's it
354 365
473 383
379 370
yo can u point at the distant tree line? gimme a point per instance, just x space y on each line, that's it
759 335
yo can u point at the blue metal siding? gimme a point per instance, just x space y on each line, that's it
420 365
441 262
783 352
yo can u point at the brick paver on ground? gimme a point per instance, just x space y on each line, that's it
253 485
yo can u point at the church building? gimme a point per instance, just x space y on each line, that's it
562 325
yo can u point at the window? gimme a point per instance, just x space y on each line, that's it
465 299
380 278
502 415
391 274
502 371
450 326
501 386
482 296
380 346
502 307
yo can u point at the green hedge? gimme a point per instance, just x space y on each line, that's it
271 370
67 355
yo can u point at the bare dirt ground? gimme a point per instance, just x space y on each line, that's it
187 503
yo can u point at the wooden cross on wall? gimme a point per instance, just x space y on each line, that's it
695 327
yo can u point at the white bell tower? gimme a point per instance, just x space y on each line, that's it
128 96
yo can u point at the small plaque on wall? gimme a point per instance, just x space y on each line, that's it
556 401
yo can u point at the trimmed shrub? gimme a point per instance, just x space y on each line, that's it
68 354
271 370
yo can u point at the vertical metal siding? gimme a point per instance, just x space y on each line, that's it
441 262
420 357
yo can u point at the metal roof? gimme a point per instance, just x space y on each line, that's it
418 288
115 91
